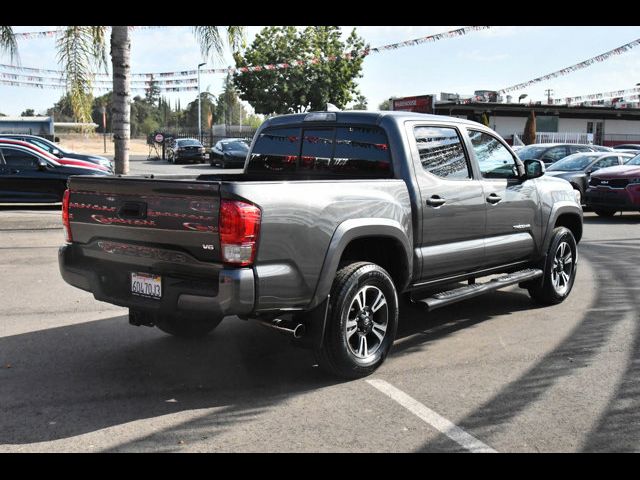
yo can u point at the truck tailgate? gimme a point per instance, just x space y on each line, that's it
176 218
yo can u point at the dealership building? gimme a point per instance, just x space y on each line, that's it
604 124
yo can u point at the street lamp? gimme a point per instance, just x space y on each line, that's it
199 107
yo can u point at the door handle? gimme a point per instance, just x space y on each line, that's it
435 201
494 198
14 170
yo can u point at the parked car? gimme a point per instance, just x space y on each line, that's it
578 167
186 149
615 189
552 152
63 161
627 146
229 153
333 217
60 152
29 177
632 151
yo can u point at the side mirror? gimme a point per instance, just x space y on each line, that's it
57 153
533 168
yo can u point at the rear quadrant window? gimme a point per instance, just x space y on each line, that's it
276 150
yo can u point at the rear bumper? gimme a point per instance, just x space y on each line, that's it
192 157
226 292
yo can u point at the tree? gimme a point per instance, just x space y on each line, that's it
82 50
361 103
300 87
8 42
386 104
529 135
29 112
62 111
152 93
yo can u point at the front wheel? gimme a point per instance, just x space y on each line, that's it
559 269
362 322
187 327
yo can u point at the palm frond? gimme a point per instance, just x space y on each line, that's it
211 40
79 53
8 43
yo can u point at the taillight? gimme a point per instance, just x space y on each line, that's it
239 226
65 217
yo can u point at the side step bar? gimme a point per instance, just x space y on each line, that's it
473 290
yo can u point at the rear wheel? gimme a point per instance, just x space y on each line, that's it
362 323
604 212
187 327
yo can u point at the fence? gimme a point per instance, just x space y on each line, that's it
555 137
207 138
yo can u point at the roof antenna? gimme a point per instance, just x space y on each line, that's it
332 108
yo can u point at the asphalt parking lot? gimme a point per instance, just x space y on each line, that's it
514 377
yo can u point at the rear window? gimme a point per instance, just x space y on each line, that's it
330 152
188 143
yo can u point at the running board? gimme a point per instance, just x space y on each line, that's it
473 290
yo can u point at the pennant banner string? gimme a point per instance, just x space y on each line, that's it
586 63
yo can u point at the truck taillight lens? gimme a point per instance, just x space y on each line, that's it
239 227
65 217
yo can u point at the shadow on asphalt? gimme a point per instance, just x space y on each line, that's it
618 429
81 378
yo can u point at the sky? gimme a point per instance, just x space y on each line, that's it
483 60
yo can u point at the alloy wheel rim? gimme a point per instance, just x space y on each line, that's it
367 322
562 269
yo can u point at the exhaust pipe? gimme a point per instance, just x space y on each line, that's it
286 327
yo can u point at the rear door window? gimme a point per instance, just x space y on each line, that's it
441 152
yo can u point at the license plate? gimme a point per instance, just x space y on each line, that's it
146 285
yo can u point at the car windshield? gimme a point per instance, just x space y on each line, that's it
573 163
235 146
634 161
189 143
531 153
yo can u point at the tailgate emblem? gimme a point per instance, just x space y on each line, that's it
207 246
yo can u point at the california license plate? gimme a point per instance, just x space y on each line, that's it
146 285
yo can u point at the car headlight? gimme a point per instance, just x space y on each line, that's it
577 196
634 180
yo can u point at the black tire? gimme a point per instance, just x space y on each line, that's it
338 355
187 327
560 268
604 212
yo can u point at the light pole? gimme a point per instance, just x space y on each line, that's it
199 107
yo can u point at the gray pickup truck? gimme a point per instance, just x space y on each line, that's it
335 215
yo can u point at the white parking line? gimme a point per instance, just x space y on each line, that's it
440 423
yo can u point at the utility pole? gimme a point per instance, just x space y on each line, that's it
549 92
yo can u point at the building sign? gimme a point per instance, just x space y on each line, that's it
421 104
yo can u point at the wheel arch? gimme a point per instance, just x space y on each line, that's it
381 241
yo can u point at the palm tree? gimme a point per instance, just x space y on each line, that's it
8 42
82 51
83 48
